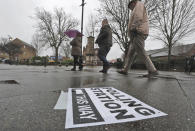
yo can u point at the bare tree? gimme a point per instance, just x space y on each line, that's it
4 41
92 25
10 48
37 43
175 20
51 26
117 13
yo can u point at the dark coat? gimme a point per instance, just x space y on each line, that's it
76 46
105 37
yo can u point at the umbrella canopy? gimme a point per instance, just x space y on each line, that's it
72 33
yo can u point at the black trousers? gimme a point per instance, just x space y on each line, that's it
78 61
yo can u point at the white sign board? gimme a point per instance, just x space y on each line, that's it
62 100
99 106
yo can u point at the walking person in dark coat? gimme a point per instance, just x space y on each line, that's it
191 64
187 63
77 52
104 42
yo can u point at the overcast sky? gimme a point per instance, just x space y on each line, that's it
16 19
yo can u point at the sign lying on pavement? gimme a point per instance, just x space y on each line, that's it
62 100
99 106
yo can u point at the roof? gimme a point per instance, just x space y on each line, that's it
150 52
181 50
160 54
26 44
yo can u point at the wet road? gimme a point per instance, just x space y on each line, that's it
28 106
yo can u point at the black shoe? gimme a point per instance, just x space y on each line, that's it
105 69
122 72
101 71
80 67
73 69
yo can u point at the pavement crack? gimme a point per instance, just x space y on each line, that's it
185 94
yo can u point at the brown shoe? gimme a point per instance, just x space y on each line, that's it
122 72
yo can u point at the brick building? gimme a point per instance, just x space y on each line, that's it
27 51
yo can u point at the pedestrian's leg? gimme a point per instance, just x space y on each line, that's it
191 68
186 66
102 53
75 63
129 58
107 65
80 63
139 43
101 58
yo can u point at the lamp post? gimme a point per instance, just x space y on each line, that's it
83 4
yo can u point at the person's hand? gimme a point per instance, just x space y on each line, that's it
134 32
96 42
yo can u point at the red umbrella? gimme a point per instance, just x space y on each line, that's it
72 33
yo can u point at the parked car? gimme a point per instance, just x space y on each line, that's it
5 60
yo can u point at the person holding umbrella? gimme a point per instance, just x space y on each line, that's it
77 52
76 44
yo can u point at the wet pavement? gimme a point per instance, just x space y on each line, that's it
27 104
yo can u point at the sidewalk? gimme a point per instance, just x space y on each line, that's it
28 106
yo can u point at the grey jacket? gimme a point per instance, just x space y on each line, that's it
105 37
76 46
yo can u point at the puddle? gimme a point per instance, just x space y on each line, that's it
9 82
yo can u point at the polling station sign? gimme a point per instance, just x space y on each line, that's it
99 106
